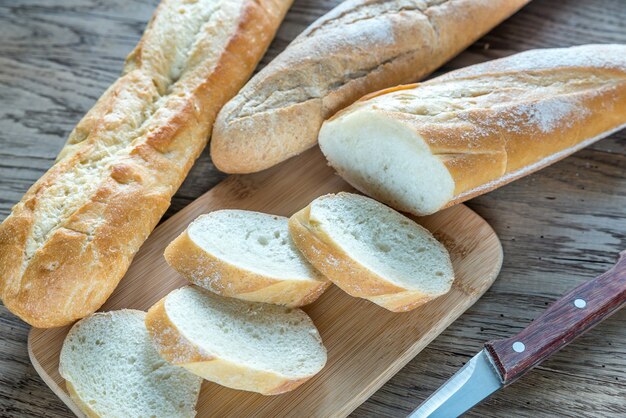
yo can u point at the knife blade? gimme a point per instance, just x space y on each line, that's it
471 384
502 362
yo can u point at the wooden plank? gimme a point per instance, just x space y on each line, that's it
366 344
558 227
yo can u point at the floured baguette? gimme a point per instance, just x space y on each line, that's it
358 47
112 369
69 241
257 347
247 255
371 251
423 147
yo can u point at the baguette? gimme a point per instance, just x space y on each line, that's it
69 241
246 255
423 147
112 369
371 251
257 347
359 47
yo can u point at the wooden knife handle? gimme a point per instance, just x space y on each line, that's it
566 319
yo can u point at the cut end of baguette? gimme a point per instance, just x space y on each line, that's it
247 255
256 347
386 160
373 252
112 369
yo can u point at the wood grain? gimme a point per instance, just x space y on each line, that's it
366 344
558 227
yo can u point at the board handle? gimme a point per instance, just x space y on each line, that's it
565 320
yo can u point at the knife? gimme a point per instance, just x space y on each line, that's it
502 362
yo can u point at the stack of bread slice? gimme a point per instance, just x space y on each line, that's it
364 247
238 323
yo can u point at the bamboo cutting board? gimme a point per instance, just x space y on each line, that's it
366 344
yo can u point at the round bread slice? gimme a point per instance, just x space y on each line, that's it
246 255
371 251
258 347
112 369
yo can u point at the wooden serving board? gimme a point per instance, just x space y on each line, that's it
366 344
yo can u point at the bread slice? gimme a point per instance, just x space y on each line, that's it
250 346
112 369
246 255
371 251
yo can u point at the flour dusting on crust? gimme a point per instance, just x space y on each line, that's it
592 56
545 115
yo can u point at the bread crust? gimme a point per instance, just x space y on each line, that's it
536 108
217 275
347 273
54 277
83 406
174 347
359 47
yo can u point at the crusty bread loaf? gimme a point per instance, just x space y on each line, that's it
423 147
359 47
250 346
247 255
371 251
112 369
69 241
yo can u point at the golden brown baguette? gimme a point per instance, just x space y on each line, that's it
359 47
69 241
423 147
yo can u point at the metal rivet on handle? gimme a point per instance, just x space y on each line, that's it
519 347
580 303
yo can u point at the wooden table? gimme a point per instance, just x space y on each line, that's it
558 227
